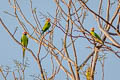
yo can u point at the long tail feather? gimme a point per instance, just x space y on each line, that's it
23 55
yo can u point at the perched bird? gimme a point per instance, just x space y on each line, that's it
46 26
95 36
88 73
24 42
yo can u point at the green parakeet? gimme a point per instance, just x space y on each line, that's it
95 36
88 73
46 26
24 42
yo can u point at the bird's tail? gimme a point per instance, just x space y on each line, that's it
99 41
23 55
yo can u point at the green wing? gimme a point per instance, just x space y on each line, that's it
95 35
24 40
46 27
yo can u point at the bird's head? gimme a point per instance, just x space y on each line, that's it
25 33
92 29
48 19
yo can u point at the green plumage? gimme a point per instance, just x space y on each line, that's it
24 42
96 37
46 27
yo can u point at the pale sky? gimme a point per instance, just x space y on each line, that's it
10 51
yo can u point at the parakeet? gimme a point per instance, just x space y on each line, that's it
24 42
88 73
46 26
95 36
